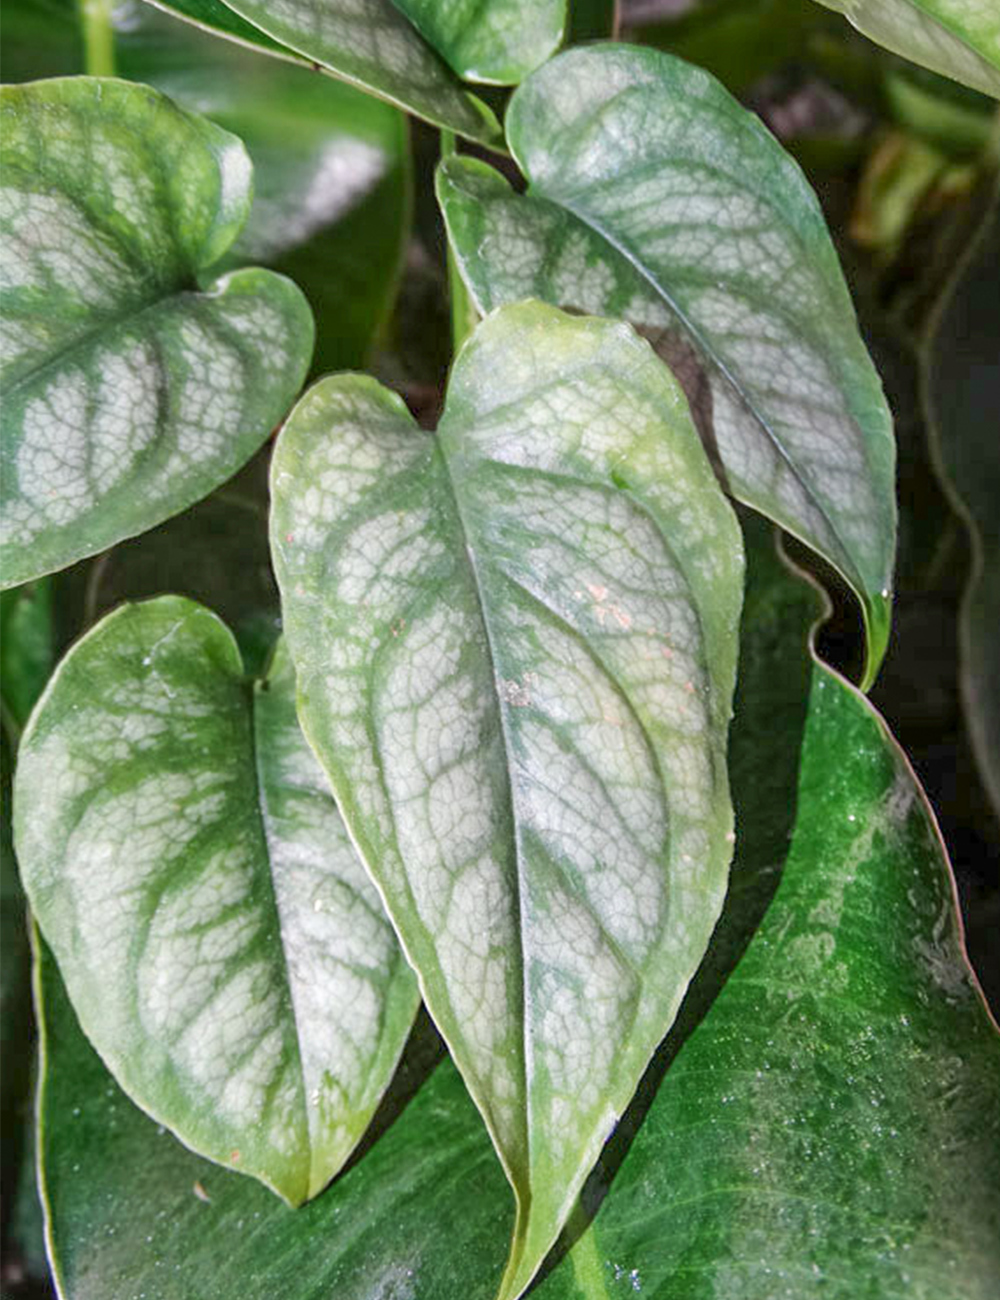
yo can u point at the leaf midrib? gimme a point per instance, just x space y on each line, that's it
260 803
106 325
523 1193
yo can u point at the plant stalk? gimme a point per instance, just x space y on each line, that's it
464 317
98 29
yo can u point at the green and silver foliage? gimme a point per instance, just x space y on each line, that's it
368 43
959 38
222 945
761 1137
331 194
498 41
654 196
962 378
516 648
129 393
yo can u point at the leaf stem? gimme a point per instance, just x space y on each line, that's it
98 28
464 316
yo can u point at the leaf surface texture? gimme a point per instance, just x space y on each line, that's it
220 940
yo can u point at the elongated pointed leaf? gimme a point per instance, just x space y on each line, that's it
221 943
128 392
368 43
959 38
489 40
516 649
655 197
962 376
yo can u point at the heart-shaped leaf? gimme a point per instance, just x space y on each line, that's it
962 378
222 945
368 43
331 192
128 392
655 197
497 41
516 646
960 38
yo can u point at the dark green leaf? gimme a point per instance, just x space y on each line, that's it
516 649
365 42
831 1126
498 41
963 392
959 38
222 945
738 41
129 392
655 197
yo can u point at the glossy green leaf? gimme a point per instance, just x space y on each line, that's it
368 43
962 378
738 41
128 391
498 41
831 1127
655 197
516 645
959 38
221 943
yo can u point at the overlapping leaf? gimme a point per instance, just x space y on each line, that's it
960 38
963 394
516 649
221 943
655 197
368 43
761 1147
496 41
128 392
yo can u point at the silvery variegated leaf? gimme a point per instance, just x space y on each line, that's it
655 197
220 940
515 643
130 391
